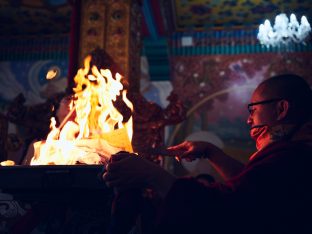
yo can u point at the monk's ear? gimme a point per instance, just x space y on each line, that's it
282 109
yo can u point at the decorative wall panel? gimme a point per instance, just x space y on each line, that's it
114 26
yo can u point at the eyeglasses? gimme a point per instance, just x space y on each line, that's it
250 105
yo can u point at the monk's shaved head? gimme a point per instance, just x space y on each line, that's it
292 88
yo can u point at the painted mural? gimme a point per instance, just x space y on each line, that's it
30 79
35 17
199 14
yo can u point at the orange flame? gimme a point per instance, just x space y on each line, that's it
98 130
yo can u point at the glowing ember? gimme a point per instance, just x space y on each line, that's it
98 130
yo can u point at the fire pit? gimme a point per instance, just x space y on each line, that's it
66 169
75 152
57 182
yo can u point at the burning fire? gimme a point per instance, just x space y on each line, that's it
98 130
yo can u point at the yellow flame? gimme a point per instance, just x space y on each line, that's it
98 130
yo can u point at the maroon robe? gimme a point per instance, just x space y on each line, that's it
271 195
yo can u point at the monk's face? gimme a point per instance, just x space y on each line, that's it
262 109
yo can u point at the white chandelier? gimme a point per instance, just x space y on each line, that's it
284 31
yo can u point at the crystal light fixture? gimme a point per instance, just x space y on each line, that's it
284 31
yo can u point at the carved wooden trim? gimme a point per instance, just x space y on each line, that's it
115 26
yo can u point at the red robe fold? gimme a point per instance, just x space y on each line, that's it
271 195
